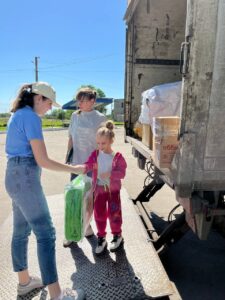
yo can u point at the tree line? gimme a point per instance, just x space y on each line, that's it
61 114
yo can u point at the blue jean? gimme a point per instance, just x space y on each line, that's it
30 212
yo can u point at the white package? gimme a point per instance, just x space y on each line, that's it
159 101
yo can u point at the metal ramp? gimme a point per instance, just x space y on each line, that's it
134 272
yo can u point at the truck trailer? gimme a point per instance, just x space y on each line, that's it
168 41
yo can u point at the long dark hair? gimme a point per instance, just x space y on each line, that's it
25 97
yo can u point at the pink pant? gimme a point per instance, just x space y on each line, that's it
107 205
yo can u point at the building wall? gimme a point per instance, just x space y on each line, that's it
118 112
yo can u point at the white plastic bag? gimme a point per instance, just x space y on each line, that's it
88 202
159 101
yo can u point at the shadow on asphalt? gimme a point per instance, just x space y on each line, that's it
35 293
103 277
195 266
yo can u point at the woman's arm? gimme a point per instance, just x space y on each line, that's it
42 159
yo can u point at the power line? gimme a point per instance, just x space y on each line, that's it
80 61
59 65
15 70
77 61
85 71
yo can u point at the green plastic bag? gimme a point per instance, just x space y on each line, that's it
78 207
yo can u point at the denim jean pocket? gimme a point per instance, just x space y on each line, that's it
21 178
12 183
31 171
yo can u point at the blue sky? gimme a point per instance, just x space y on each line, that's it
77 42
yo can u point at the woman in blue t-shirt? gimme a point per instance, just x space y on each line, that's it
26 153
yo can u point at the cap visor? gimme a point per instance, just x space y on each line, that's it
56 104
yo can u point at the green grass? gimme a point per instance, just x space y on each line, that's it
51 123
118 123
48 123
3 123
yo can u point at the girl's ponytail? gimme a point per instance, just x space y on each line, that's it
109 124
24 98
106 129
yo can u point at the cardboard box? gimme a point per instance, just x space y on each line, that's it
165 140
138 129
147 136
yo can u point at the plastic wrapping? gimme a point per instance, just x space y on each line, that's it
161 100
78 207
88 202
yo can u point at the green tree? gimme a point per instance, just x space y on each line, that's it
59 114
68 114
4 115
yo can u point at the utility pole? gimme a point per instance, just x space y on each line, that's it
36 68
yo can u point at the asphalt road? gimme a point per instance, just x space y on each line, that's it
196 267
54 182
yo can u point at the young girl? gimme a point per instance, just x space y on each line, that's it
108 168
82 131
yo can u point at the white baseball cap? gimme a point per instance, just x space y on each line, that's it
45 89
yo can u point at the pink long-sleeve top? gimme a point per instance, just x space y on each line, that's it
118 172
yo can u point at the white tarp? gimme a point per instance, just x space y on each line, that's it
159 101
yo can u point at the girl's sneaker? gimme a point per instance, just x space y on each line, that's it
116 242
34 283
101 246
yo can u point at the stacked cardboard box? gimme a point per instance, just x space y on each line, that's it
147 136
138 129
165 143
